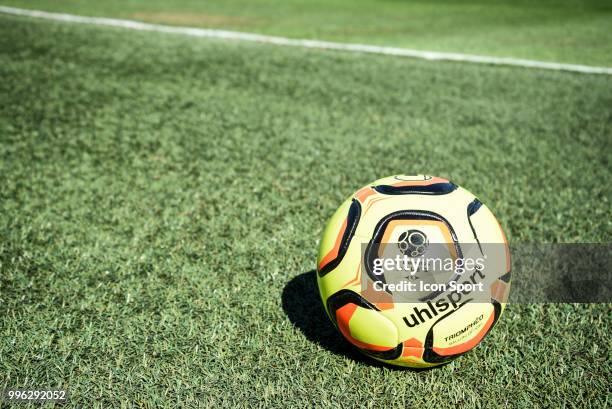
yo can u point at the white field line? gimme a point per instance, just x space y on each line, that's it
325 45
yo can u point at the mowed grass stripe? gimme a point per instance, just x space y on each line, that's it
317 44
560 30
162 201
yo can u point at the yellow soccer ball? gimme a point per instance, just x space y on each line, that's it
413 270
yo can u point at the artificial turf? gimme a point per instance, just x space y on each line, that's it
161 200
566 31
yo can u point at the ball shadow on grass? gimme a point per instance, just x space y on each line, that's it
302 304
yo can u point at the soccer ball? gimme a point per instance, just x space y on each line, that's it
383 278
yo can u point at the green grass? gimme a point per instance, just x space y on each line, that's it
161 200
567 31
